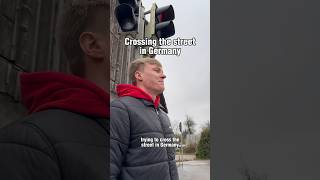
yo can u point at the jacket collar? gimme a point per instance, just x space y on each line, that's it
134 91
150 104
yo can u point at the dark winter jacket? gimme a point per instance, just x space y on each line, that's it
66 135
134 116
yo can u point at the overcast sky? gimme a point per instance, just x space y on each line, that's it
188 75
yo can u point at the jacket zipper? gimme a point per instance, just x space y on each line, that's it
159 120
164 137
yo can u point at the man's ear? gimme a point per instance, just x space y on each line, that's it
91 46
138 76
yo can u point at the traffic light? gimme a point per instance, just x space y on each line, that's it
127 13
160 24
165 26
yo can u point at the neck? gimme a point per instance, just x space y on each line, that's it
98 73
153 95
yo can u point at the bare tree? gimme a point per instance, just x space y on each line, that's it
189 127
189 123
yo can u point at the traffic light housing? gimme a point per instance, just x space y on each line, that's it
164 25
160 24
126 13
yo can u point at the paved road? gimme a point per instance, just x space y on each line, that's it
194 170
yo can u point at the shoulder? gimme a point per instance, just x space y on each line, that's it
125 102
26 152
23 135
66 127
57 119
53 126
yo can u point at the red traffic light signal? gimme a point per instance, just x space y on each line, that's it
165 13
164 25
160 24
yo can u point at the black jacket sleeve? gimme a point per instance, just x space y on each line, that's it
119 137
26 155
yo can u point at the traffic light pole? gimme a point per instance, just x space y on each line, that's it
141 24
150 27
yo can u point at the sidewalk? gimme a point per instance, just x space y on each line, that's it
194 170
186 157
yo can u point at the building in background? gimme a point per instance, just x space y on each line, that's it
28 44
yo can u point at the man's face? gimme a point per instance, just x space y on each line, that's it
153 78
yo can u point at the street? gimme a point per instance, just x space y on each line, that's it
191 170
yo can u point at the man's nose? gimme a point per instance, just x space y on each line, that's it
163 76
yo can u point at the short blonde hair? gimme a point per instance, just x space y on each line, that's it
139 63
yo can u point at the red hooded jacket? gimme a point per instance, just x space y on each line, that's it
134 91
50 90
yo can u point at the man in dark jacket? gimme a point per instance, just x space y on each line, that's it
65 136
139 126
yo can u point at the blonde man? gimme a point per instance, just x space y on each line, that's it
137 117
